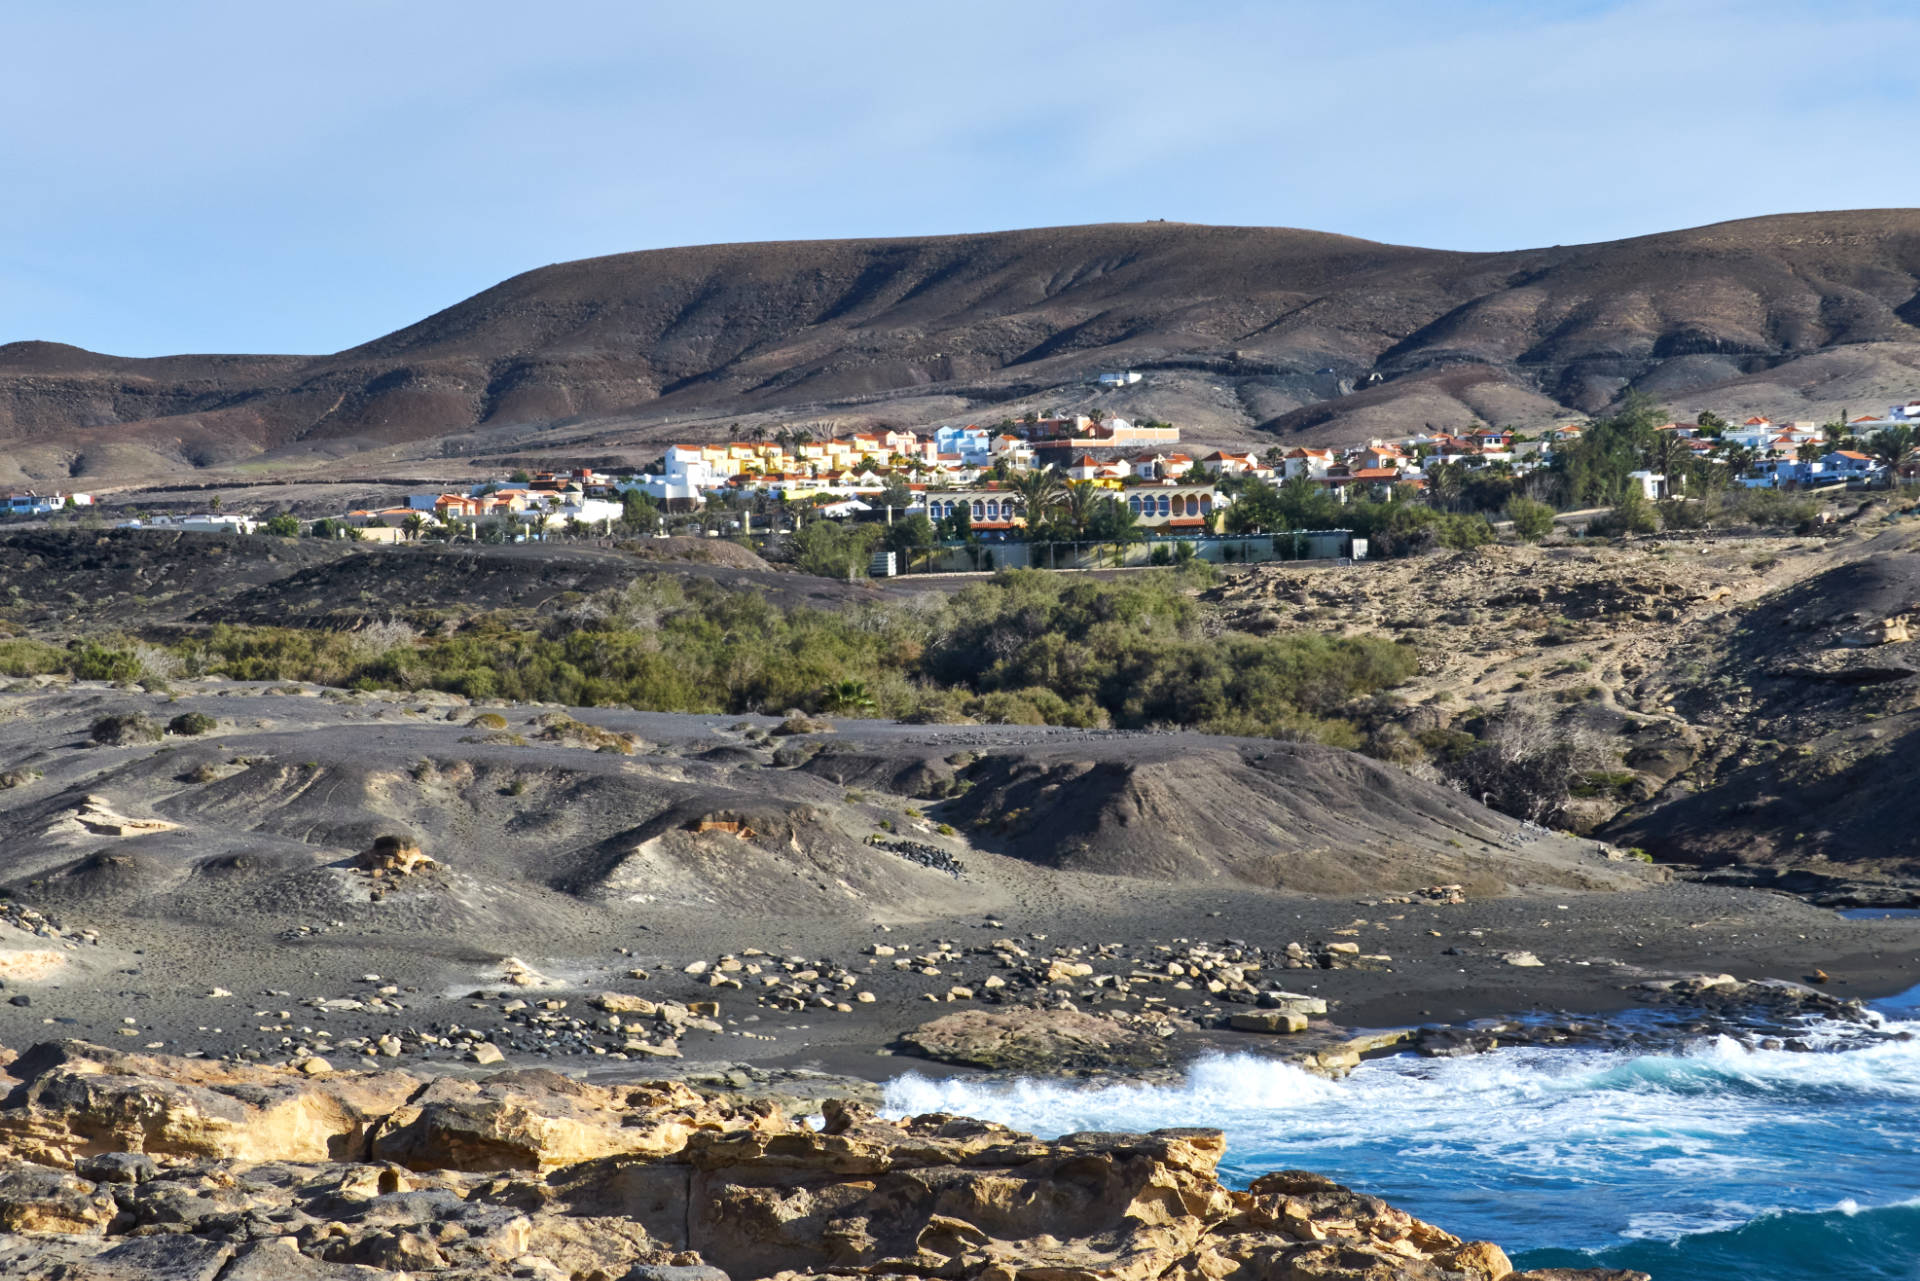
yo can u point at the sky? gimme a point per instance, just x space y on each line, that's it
303 177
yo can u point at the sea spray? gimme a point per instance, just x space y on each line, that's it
1694 1155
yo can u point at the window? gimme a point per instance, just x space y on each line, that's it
979 509
1165 507
993 509
1133 504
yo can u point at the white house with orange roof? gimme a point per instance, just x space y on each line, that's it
1222 463
1311 463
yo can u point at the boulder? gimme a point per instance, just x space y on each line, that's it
394 856
77 1099
1029 1039
1268 1021
538 1120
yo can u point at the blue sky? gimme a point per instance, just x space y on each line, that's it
303 177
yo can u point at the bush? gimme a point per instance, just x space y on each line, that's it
1025 646
1768 508
283 525
32 658
123 730
191 724
1633 514
1677 513
1463 533
831 550
1526 765
1532 520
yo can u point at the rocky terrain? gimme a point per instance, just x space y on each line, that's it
1749 694
330 983
1245 335
127 1165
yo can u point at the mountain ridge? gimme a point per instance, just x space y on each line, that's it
1247 334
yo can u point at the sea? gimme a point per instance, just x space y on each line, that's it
1708 1162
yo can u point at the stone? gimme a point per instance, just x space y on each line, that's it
486 1053
1522 959
1293 1003
674 1272
35 1198
1268 1021
394 856
116 1167
620 1003
76 1098
1036 1040
537 1120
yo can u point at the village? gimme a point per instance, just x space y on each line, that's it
1117 481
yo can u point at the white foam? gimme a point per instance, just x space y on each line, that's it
1651 1146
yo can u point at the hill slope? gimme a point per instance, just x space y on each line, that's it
1241 330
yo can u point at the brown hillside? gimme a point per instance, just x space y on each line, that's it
1239 329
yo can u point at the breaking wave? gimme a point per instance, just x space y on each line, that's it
1711 1161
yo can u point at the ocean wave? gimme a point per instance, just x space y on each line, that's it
1530 1146
1848 1242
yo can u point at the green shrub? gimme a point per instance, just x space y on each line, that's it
1463 532
124 729
1024 647
1532 520
192 723
33 658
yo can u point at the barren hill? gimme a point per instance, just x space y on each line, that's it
1243 333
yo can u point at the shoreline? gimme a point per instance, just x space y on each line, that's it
1594 953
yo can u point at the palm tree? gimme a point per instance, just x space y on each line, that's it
1443 483
1040 492
1077 504
1891 445
413 525
1669 455
848 698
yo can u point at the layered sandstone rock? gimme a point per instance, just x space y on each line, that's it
140 1166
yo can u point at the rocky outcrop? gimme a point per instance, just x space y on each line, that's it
394 856
146 1166
1026 1039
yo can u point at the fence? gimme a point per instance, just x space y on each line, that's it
985 557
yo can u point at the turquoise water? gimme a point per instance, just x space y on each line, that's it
1705 1164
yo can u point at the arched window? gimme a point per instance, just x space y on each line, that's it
1133 503
1193 505
993 509
1206 504
979 510
1165 506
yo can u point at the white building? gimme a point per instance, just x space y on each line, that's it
32 504
1119 378
199 523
